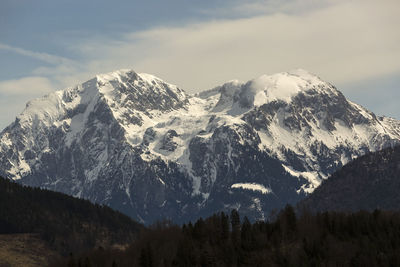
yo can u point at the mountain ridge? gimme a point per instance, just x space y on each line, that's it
147 148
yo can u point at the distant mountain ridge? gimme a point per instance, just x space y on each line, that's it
367 183
148 149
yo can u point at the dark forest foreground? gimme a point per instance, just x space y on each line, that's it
36 223
323 239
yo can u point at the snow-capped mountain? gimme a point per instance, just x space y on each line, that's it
146 148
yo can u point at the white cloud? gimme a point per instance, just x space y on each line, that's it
342 41
32 86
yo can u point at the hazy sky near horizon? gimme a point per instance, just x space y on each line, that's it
47 45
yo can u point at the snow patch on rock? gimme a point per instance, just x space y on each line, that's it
253 187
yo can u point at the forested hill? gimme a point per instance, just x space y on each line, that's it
367 183
68 224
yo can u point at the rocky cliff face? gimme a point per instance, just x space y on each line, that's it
148 149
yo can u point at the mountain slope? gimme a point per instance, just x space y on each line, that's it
146 148
66 223
367 183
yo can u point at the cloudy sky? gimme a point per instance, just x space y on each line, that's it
48 45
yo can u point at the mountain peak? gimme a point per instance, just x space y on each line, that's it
280 87
134 91
125 75
283 86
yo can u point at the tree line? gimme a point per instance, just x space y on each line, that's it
289 239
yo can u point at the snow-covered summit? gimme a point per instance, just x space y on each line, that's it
145 147
122 89
281 87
